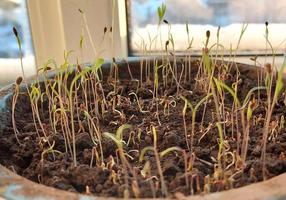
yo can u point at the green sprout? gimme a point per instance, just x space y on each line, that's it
96 138
70 96
157 158
271 103
221 148
20 53
251 106
14 101
88 33
282 123
49 150
138 102
118 139
194 110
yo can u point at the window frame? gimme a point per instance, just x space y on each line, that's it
61 11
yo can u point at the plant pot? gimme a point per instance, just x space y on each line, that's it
13 186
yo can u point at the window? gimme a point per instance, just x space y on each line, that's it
203 15
14 13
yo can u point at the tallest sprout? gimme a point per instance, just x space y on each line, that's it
17 36
20 50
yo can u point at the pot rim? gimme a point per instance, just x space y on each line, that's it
13 186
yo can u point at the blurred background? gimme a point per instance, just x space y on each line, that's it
14 13
50 27
202 15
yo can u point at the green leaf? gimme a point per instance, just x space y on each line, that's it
161 12
246 99
67 54
207 62
98 63
187 104
145 169
220 85
154 135
169 150
81 41
187 28
221 141
114 138
202 101
249 112
121 129
143 151
279 82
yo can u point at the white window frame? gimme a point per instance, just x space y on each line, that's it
56 26
10 68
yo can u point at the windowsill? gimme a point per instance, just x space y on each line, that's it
240 58
252 39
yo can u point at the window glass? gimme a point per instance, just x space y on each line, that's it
14 13
203 15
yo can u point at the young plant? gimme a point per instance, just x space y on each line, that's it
138 102
21 55
220 86
95 135
270 106
219 171
35 92
118 139
161 13
194 110
209 69
23 74
156 87
188 63
14 101
251 106
88 33
45 152
49 150
71 102
146 173
157 158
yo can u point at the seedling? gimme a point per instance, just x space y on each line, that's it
21 54
271 103
194 110
49 150
282 123
117 138
219 170
95 135
251 106
14 101
88 33
138 102
157 157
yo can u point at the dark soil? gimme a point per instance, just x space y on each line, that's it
59 171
